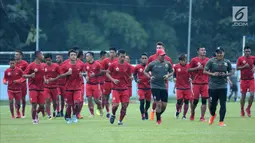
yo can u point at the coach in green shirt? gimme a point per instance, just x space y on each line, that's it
218 69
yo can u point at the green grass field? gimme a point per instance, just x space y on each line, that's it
134 130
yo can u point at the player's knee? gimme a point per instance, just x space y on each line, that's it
186 101
204 101
195 102
179 101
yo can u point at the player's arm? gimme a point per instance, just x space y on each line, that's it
148 69
5 79
108 74
192 67
28 73
239 65
207 69
135 75
169 73
21 79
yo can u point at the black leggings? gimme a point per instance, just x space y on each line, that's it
215 95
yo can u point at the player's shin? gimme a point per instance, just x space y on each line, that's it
185 107
203 108
33 110
250 101
158 110
48 103
107 104
99 106
91 106
68 111
11 107
41 109
123 111
23 105
142 108
114 108
17 106
242 102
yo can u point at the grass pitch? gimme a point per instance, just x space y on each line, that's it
134 130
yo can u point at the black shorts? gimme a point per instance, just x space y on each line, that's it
159 94
234 88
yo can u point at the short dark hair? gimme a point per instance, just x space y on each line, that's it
144 54
121 51
48 55
113 49
19 51
12 59
80 53
160 43
182 57
91 53
102 53
199 48
37 52
247 47
71 51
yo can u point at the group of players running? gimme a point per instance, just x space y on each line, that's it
202 77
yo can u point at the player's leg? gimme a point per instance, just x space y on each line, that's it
196 92
203 108
250 101
96 95
54 96
106 97
186 97
41 102
230 95
115 104
81 102
147 103
24 93
204 98
62 100
18 96
243 86
179 98
214 96
33 100
47 96
141 94
164 100
223 98
69 103
89 94
10 96
124 99
76 105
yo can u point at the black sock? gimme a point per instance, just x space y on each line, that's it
158 116
142 106
147 105
162 110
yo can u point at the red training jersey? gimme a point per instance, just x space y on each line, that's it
22 65
246 73
94 68
106 63
198 77
73 81
132 71
155 57
144 81
13 74
61 81
102 77
36 83
182 76
120 72
51 71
